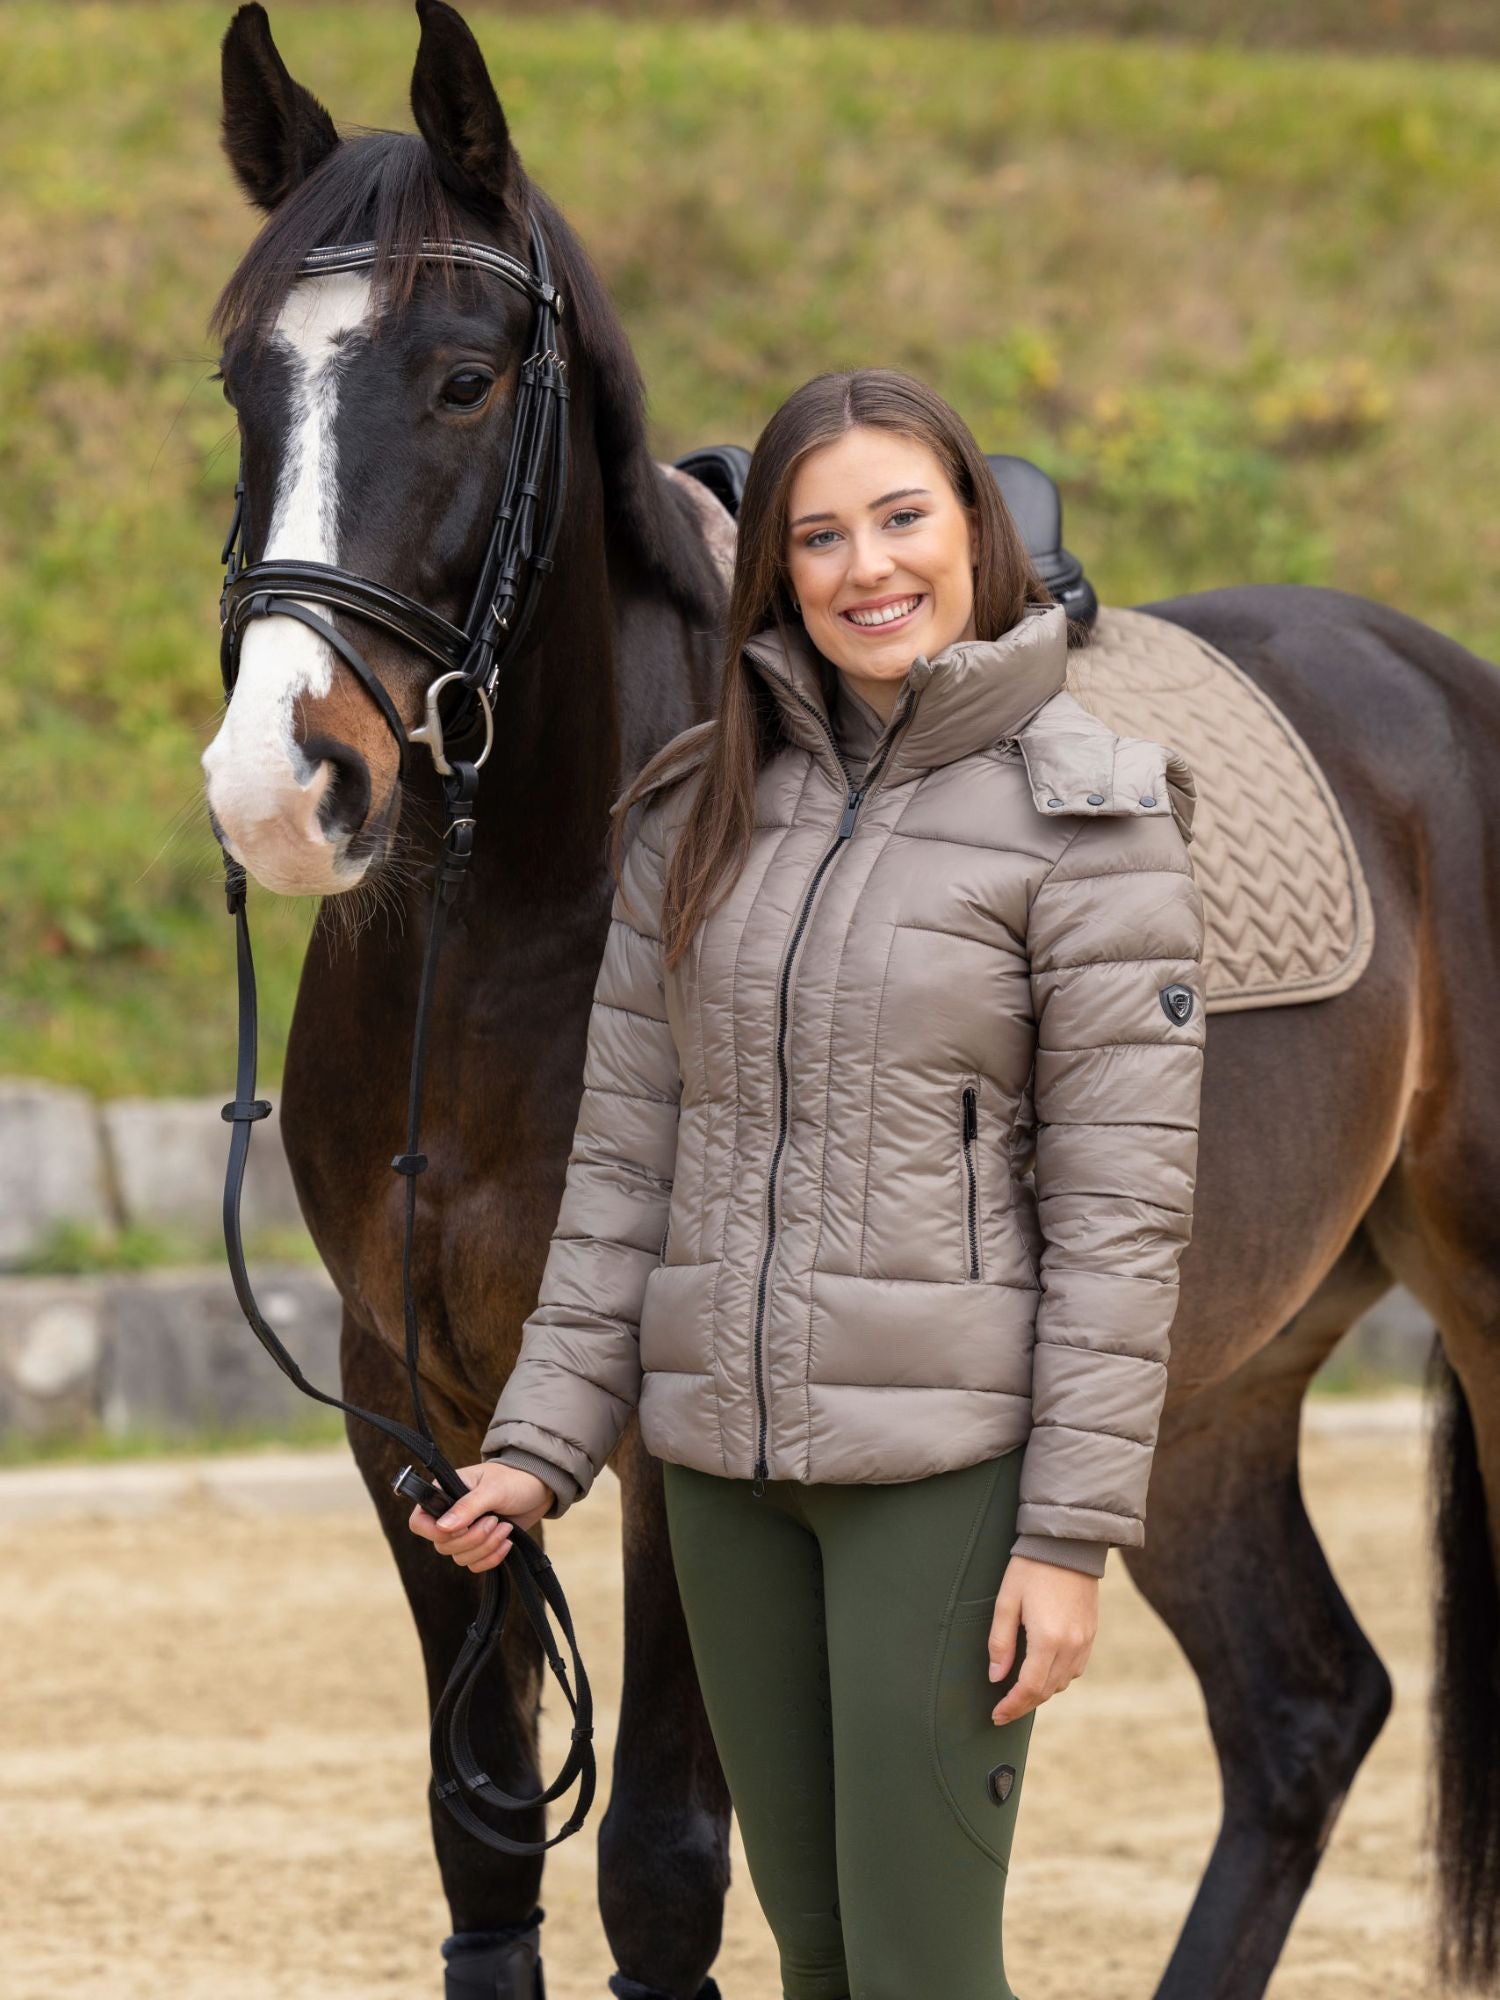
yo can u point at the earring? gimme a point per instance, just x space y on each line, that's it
796 607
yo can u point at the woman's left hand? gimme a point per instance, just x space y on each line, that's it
1060 1611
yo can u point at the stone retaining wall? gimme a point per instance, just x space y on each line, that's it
155 1162
162 1353
168 1351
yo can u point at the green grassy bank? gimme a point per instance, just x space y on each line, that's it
1237 303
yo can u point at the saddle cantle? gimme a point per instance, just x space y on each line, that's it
1287 910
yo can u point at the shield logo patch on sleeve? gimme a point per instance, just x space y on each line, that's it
1177 1003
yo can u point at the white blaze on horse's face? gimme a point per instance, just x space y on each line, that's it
262 788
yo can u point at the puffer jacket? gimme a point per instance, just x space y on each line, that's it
893 1171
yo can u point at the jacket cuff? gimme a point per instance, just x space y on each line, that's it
1064 1551
564 1485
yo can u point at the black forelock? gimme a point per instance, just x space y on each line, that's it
384 188
379 187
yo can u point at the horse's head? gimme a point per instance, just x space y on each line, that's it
376 409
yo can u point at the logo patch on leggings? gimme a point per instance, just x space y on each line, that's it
1177 1002
1001 1780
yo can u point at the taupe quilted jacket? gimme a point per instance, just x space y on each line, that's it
892 1173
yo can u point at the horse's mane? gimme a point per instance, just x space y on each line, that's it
383 187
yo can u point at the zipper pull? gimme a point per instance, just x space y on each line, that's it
971 1113
761 1469
851 807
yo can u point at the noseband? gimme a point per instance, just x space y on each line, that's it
521 539
473 656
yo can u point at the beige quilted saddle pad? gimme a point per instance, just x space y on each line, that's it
1286 906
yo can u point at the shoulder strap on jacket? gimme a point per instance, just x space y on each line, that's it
1075 763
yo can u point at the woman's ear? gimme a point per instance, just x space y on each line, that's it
275 133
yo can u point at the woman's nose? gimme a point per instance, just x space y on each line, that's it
868 563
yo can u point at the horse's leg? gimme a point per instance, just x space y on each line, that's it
495 1950
1434 1223
1294 1691
664 1842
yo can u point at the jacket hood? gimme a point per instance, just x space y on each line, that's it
977 692
966 696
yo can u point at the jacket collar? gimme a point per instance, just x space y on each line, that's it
966 696
971 694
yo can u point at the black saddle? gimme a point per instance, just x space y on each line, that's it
1032 497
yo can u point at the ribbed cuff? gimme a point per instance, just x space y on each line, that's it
563 1484
1064 1551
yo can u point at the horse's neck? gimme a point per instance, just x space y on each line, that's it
617 673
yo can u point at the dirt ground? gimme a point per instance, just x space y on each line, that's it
214 1755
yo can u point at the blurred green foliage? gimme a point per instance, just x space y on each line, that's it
1414 27
1231 300
71 1249
94 1445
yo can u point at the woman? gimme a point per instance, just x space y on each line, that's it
900 919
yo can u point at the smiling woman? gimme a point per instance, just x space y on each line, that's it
859 975
881 495
889 575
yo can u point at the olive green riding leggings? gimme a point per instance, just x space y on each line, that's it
840 1636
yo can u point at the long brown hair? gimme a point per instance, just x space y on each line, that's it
715 837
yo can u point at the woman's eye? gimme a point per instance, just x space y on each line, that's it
468 389
901 514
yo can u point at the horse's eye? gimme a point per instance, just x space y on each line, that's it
468 389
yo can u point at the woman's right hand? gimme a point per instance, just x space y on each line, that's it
475 1531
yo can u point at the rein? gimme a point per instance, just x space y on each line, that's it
519 555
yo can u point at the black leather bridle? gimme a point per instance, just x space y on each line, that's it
472 656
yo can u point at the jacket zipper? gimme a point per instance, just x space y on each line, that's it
856 796
970 1134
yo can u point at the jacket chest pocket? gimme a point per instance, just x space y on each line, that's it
968 1131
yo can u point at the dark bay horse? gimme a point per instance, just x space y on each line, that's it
1345 1144
386 455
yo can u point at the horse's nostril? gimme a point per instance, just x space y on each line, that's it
342 808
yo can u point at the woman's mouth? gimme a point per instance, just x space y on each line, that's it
886 617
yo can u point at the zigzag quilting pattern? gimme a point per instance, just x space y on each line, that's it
1287 910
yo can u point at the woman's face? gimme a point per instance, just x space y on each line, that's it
876 528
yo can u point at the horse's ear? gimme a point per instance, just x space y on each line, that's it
458 113
275 132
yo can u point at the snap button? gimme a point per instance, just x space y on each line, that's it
1096 798
1054 802
1149 799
